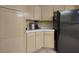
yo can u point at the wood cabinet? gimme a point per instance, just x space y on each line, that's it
33 12
30 12
47 13
58 7
30 42
47 10
69 7
39 40
77 6
37 12
34 41
12 31
49 39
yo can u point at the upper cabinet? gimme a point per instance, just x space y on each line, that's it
47 12
33 12
30 12
40 12
69 7
37 12
77 6
58 7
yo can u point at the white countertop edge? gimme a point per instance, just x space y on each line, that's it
40 30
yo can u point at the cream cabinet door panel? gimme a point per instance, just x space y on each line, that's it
58 7
49 39
69 7
47 12
39 40
37 12
29 12
30 42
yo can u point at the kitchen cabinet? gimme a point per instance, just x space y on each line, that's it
49 39
37 12
39 40
58 7
12 31
47 13
69 7
36 39
30 12
77 6
33 12
30 42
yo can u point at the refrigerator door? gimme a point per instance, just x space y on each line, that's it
69 33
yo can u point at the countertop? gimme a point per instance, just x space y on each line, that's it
38 30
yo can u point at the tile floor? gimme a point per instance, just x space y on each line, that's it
45 50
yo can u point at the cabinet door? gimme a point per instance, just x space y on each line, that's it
47 12
30 12
77 6
30 42
69 7
58 7
37 12
49 39
39 40
12 31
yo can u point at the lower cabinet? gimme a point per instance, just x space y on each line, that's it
34 41
49 39
30 42
39 40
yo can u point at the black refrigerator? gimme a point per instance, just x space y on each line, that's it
66 35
